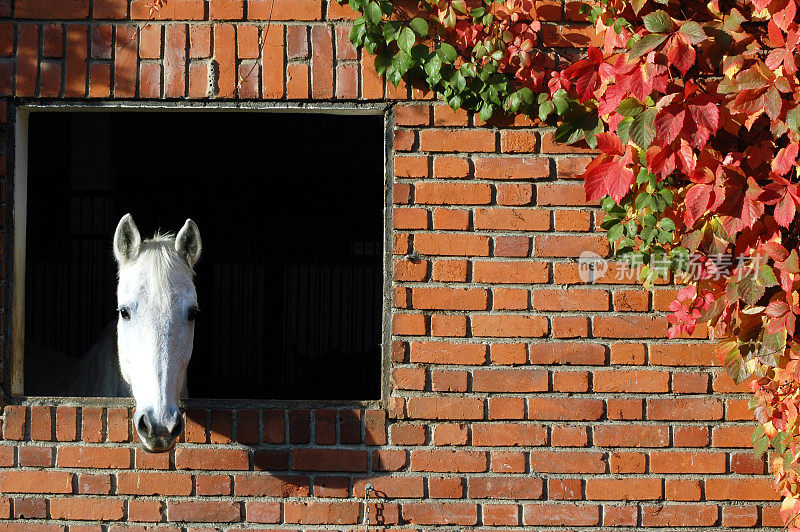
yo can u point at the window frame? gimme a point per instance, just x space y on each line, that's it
16 217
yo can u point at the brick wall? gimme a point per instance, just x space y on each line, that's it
522 398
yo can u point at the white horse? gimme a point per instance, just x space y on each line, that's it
157 305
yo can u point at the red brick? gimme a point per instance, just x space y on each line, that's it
172 10
89 483
448 167
321 62
453 193
631 381
410 218
512 168
448 381
272 61
35 482
440 513
447 461
408 166
627 463
740 489
571 381
625 409
445 488
144 510
510 299
125 62
678 489
86 509
510 272
447 325
629 327
389 460
514 194
565 408
406 434
449 298
297 82
570 299
569 246
559 194
569 436
682 355
517 380
568 489
329 460
211 459
509 326
739 516
504 488
149 80
411 115
450 271
684 515
567 353
451 219
41 425
560 514
620 515
175 60
66 9
508 354
408 378
508 434
474 140
637 489
94 457
27 509
409 324
6 39
154 483
204 511
300 426
564 461
248 485
452 244
512 219
445 408
690 436
687 462
263 512
571 220
685 408
570 327
450 434
512 141
631 436
30 456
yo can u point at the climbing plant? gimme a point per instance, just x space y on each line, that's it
694 110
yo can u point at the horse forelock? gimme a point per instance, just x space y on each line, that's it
160 265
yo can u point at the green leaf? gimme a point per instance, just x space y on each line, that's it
486 111
793 119
406 40
357 32
446 52
382 61
373 12
749 290
666 224
760 446
630 107
646 43
658 22
733 363
766 276
642 201
402 62
460 6
419 26
693 31
545 109
624 130
771 347
643 129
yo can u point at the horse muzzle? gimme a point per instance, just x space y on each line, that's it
158 437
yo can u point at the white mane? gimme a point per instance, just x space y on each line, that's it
157 261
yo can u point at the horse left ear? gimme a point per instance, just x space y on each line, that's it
188 243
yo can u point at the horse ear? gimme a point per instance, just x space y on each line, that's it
127 241
188 243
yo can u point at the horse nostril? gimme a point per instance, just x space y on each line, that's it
177 427
144 425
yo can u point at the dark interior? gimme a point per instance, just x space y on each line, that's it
290 208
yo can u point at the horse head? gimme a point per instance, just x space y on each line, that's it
157 305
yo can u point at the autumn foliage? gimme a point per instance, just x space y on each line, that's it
694 109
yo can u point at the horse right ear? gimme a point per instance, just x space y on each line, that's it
127 241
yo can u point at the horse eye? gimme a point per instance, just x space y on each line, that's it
124 313
191 314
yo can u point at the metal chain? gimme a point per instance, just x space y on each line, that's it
367 490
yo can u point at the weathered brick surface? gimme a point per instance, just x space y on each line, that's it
522 396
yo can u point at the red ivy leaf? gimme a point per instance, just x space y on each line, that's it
680 53
786 159
608 176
